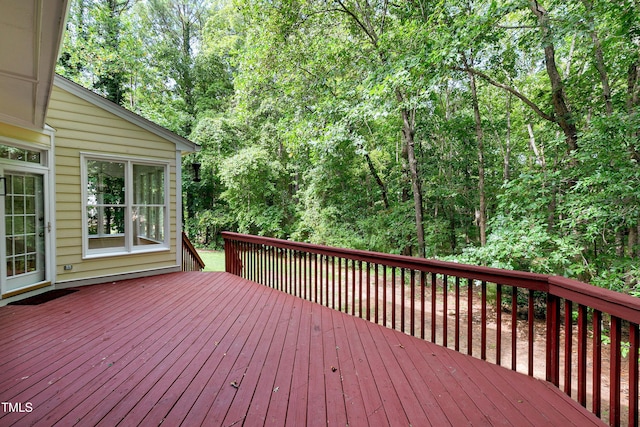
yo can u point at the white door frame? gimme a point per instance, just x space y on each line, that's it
46 170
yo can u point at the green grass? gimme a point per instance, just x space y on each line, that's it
213 260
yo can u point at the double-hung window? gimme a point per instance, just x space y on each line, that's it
125 205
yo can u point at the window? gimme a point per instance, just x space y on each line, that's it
126 206
20 154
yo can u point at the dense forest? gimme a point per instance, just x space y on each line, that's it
502 133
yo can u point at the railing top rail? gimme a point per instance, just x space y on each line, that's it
186 243
623 306
495 275
618 304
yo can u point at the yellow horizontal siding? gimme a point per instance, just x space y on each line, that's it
83 127
109 267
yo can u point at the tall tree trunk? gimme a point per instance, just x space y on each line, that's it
599 57
632 241
561 109
408 132
482 211
376 176
506 168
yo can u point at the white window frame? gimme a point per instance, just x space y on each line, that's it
129 246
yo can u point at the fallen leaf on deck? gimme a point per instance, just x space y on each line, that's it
235 384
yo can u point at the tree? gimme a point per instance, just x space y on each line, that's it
174 29
96 50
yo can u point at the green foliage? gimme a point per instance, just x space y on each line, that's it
253 182
302 111
525 244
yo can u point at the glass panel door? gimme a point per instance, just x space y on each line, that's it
23 244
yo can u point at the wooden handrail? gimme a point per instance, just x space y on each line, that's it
419 296
191 260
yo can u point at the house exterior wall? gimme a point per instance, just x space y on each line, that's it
22 135
82 127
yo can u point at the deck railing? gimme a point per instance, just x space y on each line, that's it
550 327
191 261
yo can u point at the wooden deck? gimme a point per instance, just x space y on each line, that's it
214 349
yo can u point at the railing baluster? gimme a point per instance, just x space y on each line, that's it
553 340
412 305
470 317
326 275
615 331
634 342
402 306
360 289
423 289
249 261
434 281
376 283
483 322
292 273
498 324
568 345
393 298
530 320
339 284
582 355
301 273
353 287
384 295
333 282
445 315
307 274
259 264
597 362
368 276
270 268
514 328
457 316
315 278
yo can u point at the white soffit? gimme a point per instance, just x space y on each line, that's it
30 36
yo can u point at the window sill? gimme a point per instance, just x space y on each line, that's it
142 251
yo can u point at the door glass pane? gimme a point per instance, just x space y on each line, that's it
18 225
18 185
20 265
31 246
18 205
24 229
30 205
30 185
19 246
30 224
32 263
